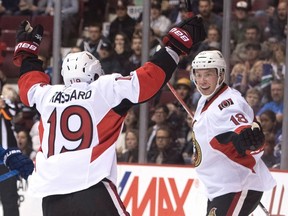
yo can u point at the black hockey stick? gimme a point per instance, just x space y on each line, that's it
264 209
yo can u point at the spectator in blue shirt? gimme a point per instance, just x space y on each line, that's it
276 104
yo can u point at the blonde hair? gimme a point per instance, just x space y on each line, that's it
10 93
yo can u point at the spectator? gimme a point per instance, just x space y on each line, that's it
276 104
277 61
158 118
131 145
9 7
178 13
278 22
32 7
205 8
166 151
130 123
251 78
213 40
134 61
253 97
184 89
95 10
268 156
70 20
253 53
23 116
123 22
122 48
270 125
236 77
3 80
40 7
187 150
94 40
107 59
158 22
240 22
8 188
24 143
252 36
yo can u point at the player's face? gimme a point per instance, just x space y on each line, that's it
206 80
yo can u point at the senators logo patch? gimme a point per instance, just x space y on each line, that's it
225 103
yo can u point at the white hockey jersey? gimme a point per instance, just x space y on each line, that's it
219 166
81 123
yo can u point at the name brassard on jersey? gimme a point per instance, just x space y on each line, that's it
61 97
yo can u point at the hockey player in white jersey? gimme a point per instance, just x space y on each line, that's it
228 142
81 120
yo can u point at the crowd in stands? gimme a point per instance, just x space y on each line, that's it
257 66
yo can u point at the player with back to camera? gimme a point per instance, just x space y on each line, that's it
228 152
81 120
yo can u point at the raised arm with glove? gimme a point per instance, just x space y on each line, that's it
186 34
28 40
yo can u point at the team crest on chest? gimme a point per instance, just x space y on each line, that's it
225 103
197 155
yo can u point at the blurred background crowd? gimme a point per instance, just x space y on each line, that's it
112 31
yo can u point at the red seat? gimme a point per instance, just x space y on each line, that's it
7 67
181 73
45 48
46 21
9 37
12 22
166 97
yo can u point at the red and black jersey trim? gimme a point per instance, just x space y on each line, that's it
165 61
31 64
224 143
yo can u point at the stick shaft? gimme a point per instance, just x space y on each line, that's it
264 209
8 175
187 109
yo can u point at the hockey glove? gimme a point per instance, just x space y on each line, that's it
28 40
184 35
15 160
250 139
